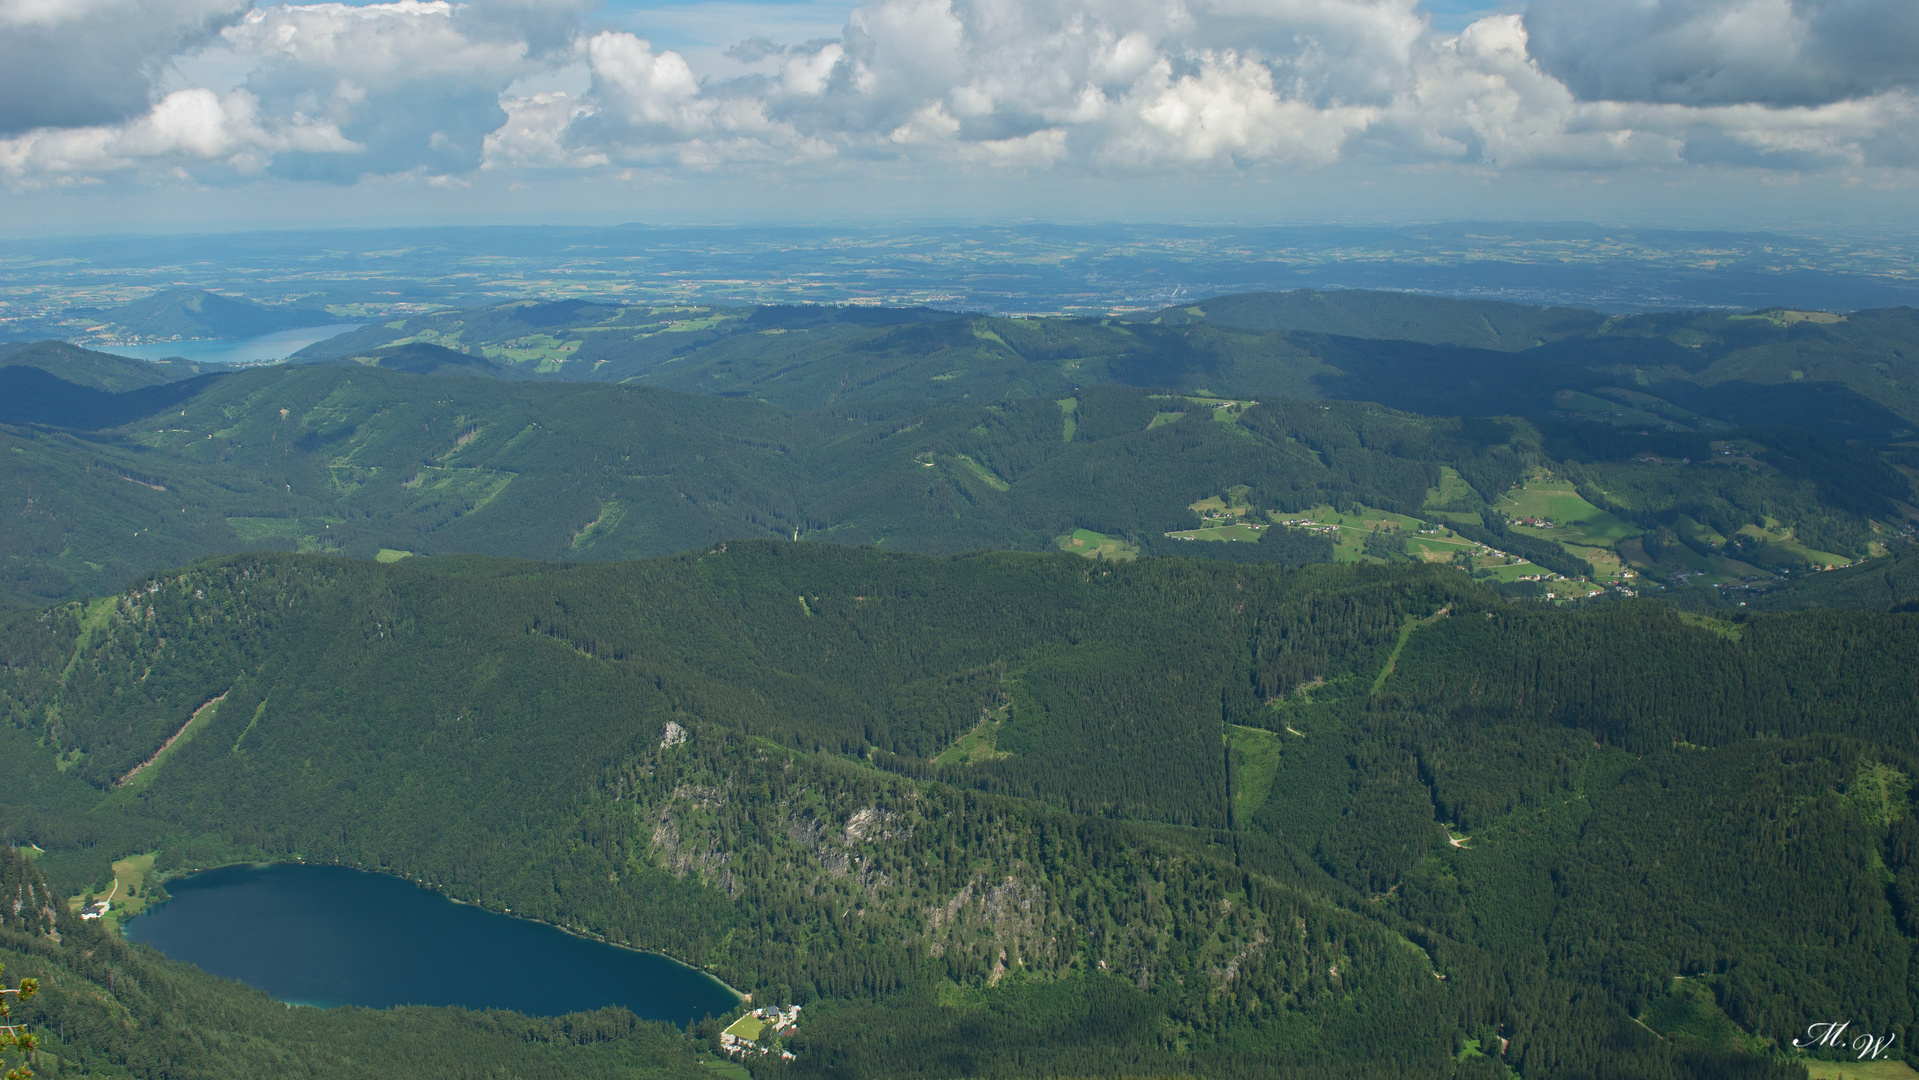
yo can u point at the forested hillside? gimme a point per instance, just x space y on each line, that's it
108 1009
359 460
87 368
172 314
1010 814
355 461
1337 798
1842 376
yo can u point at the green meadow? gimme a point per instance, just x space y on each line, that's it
1256 754
979 744
1098 545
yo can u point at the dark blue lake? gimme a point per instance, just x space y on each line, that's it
327 935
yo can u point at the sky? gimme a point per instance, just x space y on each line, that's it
180 115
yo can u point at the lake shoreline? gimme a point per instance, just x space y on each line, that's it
227 352
165 897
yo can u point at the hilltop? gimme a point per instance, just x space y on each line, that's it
196 313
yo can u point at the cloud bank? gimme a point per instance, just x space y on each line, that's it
336 93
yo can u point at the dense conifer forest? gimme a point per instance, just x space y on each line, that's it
941 691
1234 819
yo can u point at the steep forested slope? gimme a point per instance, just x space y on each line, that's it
354 460
1198 816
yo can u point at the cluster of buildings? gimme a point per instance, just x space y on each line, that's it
99 907
765 1023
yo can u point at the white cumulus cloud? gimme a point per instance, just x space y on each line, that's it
331 91
187 127
335 92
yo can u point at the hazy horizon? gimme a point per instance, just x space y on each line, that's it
227 115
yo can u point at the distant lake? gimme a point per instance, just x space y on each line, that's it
275 346
327 935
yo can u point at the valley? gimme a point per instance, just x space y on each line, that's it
63 288
1188 692
359 458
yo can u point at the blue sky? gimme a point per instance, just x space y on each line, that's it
127 115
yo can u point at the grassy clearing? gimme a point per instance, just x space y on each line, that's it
475 487
134 876
1439 546
544 351
391 555
1606 563
611 513
133 888
979 744
1257 753
1349 531
1879 792
1860 1070
1781 539
746 1027
985 475
728 1069
1098 546
1571 517
1770 550
685 326
1553 510
1224 517
1069 413
258 712
1223 410
94 618
1163 418
1427 541
1452 488
1517 570
1412 623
